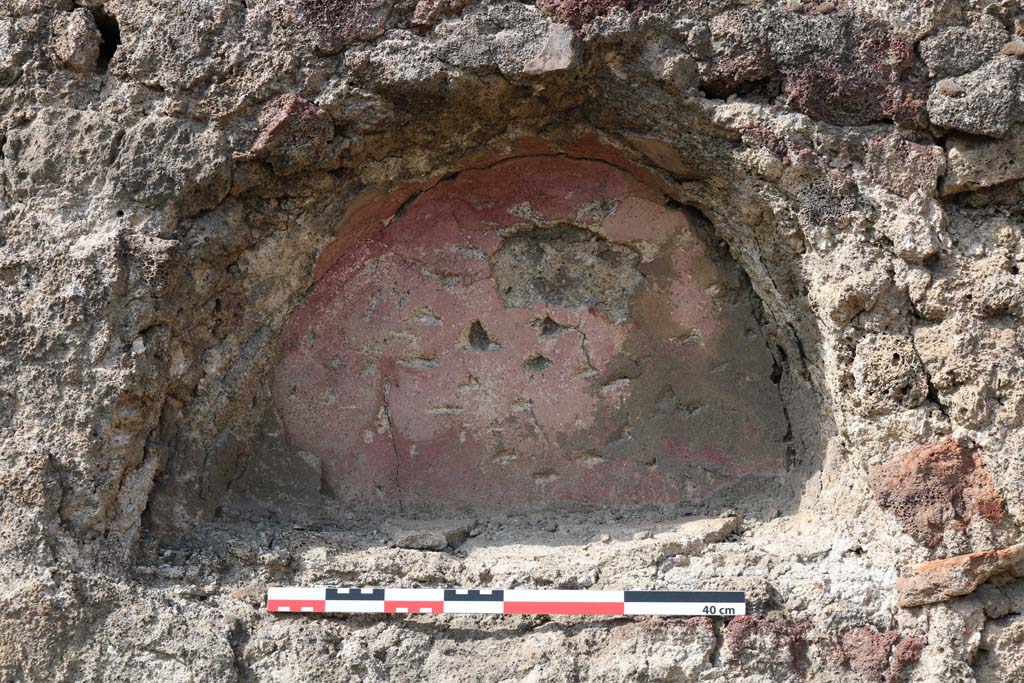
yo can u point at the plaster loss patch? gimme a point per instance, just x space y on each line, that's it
545 330
566 266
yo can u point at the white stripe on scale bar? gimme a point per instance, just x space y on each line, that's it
482 607
351 606
296 593
687 609
425 594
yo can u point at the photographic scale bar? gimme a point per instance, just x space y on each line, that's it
323 599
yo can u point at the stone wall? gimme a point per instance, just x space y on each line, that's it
829 194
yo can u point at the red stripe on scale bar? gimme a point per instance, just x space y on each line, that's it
565 608
296 606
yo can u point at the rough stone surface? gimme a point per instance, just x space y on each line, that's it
432 535
986 101
878 657
955 50
1002 645
935 486
179 180
889 373
978 163
295 136
558 52
78 44
904 167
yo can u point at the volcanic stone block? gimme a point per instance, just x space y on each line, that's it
937 486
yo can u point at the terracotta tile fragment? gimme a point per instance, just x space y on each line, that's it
952 577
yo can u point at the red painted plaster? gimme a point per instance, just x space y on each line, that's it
377 379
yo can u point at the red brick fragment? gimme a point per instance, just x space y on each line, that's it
952 577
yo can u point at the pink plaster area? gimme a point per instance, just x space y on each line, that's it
385 377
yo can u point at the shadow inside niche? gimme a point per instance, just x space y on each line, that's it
110 38
545 338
